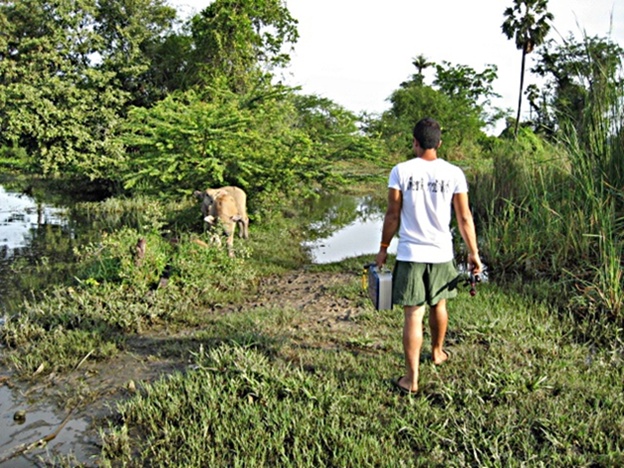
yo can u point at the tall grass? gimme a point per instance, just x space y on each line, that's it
555 211
596 146
521 209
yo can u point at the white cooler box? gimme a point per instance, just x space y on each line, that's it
380 287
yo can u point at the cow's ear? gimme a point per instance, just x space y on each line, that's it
198 194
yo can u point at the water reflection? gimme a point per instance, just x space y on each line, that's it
36 247
348 227
20 216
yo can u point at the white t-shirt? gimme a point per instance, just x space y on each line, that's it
427 188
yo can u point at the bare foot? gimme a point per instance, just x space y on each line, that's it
440 358
405 386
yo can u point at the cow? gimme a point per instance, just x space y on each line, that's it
227 205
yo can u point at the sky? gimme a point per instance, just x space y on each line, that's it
357 52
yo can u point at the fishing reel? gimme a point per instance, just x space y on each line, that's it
472 281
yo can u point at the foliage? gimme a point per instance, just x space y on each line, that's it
332 128
51 104
134 34
458 98
237 41
421 63
518 203
264 141
171 67
561 217
527 22
577 72
68 68
96 91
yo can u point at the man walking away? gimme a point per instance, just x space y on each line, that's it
422 192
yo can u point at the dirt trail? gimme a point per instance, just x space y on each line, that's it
142 359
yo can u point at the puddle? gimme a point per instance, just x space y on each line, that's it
360 235
357 238
29 232
40 421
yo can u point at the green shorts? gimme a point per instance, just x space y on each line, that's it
414 284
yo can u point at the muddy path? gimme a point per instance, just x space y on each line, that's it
90 392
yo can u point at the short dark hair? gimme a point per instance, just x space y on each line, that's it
428 133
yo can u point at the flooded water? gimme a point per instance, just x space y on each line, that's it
361 237
21 216
31 233
27 228
347 227
39 420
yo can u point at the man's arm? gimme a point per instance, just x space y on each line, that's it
466 226
390 225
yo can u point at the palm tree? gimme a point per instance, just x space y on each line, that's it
528 22
421 63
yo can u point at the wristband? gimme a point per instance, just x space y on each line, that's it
384 245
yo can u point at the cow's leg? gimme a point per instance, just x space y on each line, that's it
240 222
245 228
230 245
229 226
230 242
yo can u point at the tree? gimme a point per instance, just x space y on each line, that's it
134 34
53 105
69 69
421 63
238 41
171 66
528 23
577 75
459 99
270 140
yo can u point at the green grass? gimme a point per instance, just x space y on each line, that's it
519 391
273 385
554 210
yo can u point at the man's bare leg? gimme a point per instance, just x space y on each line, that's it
438 323
412 343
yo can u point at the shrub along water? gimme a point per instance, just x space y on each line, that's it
116 291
